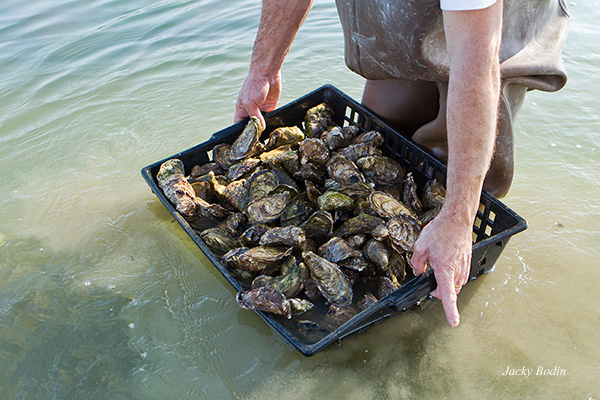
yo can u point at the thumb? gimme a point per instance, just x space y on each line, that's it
418 262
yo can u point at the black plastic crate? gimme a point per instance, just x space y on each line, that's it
494 225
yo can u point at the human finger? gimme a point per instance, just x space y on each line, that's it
418 262
446 292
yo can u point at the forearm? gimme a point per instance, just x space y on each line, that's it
472 113
279 23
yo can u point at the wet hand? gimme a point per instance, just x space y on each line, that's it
258 93
446 246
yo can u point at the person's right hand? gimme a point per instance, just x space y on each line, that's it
258 93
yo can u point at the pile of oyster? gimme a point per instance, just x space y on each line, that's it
307 216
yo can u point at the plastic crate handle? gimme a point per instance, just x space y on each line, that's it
413 291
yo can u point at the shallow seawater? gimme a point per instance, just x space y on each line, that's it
103 295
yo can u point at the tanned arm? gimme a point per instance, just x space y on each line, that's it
473 40
280 21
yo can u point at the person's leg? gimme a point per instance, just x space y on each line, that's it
403 104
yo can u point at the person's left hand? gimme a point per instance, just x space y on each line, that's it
446 245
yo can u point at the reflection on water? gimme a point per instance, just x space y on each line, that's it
102 294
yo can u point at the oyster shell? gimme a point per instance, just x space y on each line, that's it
289 284
255 258
332 200
311 172
343 170
313 150
252 235
359 150
367 300
403 233
297 211
267 209
434 195
380 232
247 143
199 170
236 194
318 225
282 157
381 169
337 249
335 138
176 188
219 240
363 223
337 315
291 135
208 210
356 241
265 299
331 282
372 138
385 286
240 169
285 235
410 194
261 184
317 120
378 253
387 206
221 154
300 306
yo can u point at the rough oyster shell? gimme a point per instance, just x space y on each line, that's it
343 170
332 200
255 258
291 135
285 235
387 206
381 169
363 223
247 143
403 233
313 150
317 120
176 188
267 209
331 282
265 299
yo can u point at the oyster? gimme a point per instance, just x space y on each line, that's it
337 315
350 131
403 233
378 253
311 172
291 135
359 150
312 192
208 210
289 284
255 258
356 241
281 157
313 150
332 200
247 143
267 209
380 169
261 184
265 299
297 211
388 207
252 235
355 263
199 170
372 138
318 225
240 169
317 120
203 190
300 306
380 232
335 138
430 214
176 188
364 223
385 286
287 235
221 154
331 282
236 194
433 195
219 240
343 170
410 194
337 249
367 300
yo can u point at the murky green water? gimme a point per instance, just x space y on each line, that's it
102 295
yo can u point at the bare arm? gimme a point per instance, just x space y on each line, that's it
473 39
280 21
